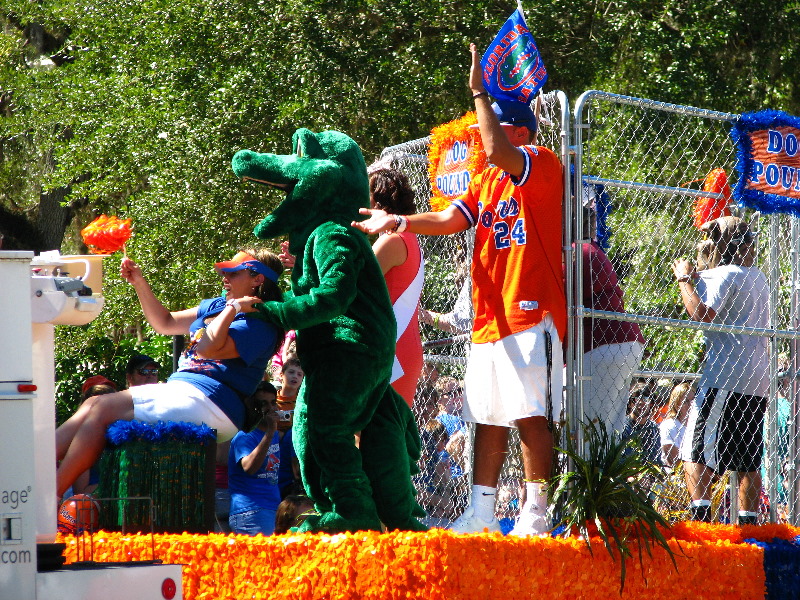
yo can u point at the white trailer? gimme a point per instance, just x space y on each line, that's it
36 295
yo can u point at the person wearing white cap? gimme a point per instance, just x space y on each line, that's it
222 365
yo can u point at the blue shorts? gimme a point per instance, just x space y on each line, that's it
253 522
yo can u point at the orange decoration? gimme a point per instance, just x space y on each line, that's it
707 209
106 235
456 156
440 565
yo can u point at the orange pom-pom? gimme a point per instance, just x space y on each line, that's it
106 235
707 209
79 513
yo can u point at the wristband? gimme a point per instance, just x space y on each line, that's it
436 321
683 278
480 95
235 304
402 224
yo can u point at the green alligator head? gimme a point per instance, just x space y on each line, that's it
324 180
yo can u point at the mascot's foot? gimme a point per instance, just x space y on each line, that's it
409 525
331 522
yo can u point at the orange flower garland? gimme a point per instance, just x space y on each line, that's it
440 565
441 151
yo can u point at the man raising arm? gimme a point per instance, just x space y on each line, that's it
513 377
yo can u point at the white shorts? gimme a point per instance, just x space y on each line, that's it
611 368
179 401
514 378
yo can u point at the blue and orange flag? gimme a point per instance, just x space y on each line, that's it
512 67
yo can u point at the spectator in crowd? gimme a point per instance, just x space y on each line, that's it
222 494
86 483
290 381
641 410
434 478
781 439
400 259
725 426
292 375
97 385
292 511
612 349
223 363
141 370
426 397
458 320
518 300
510 491
673 427
288 350
253 463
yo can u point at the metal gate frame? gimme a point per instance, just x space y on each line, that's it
568 134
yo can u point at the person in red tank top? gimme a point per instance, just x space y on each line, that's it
400 258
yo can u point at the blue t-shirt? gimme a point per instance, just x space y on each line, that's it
260 490
229 380
452 423
285 471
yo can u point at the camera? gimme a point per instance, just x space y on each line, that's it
284 415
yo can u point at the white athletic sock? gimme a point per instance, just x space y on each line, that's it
701 502
535 497
483 502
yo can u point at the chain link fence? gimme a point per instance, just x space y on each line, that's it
636 171
445 468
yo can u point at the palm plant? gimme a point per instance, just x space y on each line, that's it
608 487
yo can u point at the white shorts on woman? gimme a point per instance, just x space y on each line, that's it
179 401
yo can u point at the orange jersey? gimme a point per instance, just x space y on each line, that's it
516 266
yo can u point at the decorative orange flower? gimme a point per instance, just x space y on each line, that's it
106 235
456 156
440 565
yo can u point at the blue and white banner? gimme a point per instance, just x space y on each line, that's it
512 66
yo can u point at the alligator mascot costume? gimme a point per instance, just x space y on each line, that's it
340 307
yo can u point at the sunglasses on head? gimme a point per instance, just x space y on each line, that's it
147 372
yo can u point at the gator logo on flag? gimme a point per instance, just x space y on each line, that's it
512 66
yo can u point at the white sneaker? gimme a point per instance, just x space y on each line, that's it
531 525
469 522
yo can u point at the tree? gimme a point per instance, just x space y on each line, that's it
135 107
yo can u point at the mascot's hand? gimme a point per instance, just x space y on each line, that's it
378 222
248 303
287 258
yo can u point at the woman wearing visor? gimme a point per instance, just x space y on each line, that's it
724 431
222 365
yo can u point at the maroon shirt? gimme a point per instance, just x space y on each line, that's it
601 291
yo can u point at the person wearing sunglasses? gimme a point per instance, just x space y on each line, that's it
141 370
225 360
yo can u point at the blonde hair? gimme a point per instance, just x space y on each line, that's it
707 255
676 398
444 382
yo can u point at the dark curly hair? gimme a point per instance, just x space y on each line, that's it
391 191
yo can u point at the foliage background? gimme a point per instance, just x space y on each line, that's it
134 108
